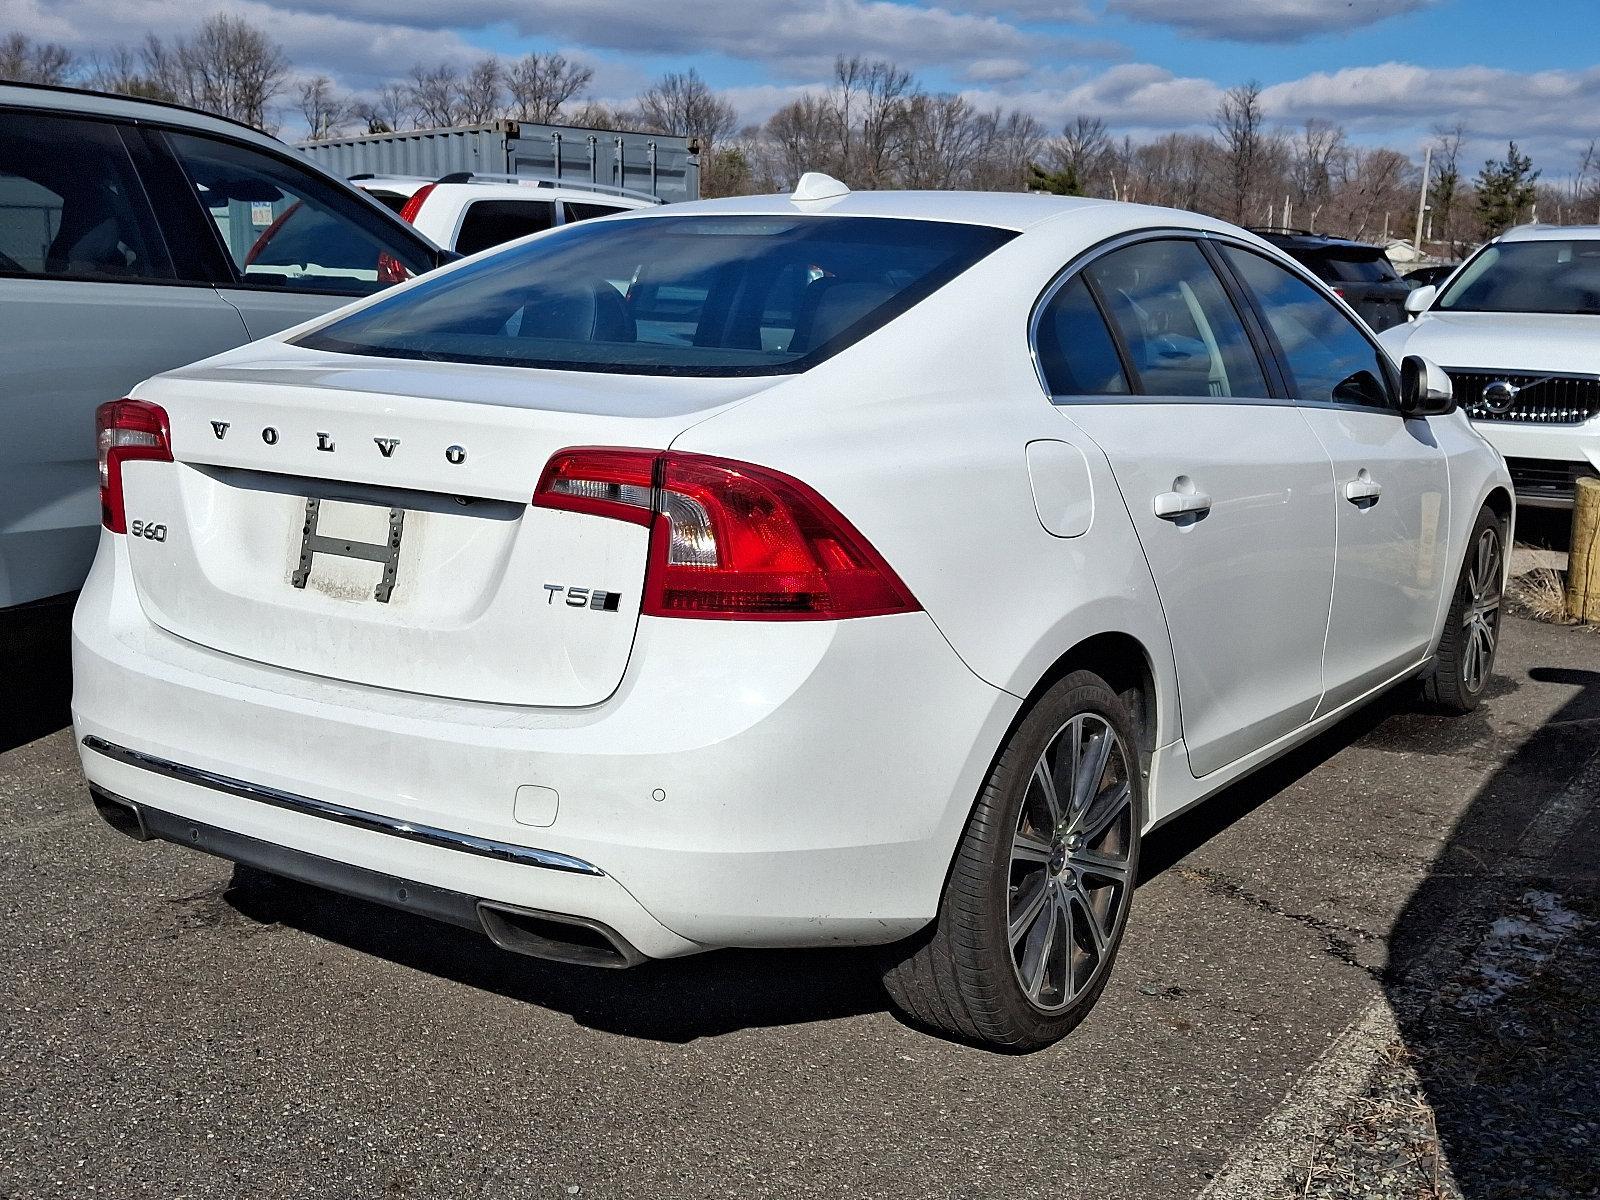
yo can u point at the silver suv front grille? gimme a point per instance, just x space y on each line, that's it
1540 399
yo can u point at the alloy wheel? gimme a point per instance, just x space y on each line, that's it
1071 872
1480 618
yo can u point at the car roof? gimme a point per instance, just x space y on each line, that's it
1017 211
59 98
1550 233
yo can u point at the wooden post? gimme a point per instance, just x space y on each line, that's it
1583 554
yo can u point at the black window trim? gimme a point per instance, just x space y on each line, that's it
1266 355
157 229
237 280
1294 267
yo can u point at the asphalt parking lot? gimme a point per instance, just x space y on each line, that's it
1368 971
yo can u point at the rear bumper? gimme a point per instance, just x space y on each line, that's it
747 785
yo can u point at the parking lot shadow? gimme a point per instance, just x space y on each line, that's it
1494 963
36 665
665 1001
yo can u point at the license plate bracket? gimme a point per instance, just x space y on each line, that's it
387 553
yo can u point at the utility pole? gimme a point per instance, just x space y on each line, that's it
1422 198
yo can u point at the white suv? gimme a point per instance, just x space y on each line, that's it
468 213
1518 329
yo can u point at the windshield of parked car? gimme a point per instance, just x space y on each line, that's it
671 295
1557 276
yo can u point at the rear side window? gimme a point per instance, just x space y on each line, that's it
491 222
1329 359
393 201
671 295
287 229
1076 353
71 204
578 211
1181 331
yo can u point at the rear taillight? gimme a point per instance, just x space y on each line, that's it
126 430
728 540
414 205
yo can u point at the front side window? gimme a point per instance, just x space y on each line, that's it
1557 276
1181 332
1076 353
671 295
71 205
1329 359
492 222
284 228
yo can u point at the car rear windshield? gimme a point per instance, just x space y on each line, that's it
1558 276
1357 267
671 295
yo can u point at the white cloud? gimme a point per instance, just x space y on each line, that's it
1264 20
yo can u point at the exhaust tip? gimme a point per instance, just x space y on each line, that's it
555 936
121 814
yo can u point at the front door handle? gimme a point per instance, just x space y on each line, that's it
1362 490
1171 505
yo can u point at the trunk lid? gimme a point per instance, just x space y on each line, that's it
368 520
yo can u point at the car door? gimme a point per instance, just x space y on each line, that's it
1390 487
1225 482
291 245
92 301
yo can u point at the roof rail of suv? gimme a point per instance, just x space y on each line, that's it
543 181
552 181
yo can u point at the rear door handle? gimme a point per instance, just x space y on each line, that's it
1362 490
1170 505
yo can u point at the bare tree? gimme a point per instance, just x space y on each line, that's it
433 96
228 67
483 91
1445 189
683 104
1317 157
872 100
1239 122
803 136
540 84
385 111
24 60
595 114
323 110
1080 154
1014 142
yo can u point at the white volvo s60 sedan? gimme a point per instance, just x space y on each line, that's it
823 569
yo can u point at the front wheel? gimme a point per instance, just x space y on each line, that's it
1464 663
1038 896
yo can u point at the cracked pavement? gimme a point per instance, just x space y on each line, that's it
173 1030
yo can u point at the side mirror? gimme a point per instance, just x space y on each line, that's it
1425 389
1419 298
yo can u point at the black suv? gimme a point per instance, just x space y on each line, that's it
1356 271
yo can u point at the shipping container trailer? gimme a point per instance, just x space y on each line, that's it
663 165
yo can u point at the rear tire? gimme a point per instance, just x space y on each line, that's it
1464 662
1037 899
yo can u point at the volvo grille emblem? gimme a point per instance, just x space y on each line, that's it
269 435
1500 396
386 446
220 428
324 442
455 455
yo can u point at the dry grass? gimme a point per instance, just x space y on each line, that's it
1542 595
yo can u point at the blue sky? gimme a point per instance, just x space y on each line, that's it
1389 70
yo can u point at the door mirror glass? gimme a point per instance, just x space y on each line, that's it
1419 299
1425 388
